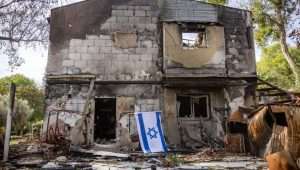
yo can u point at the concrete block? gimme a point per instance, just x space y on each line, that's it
141 50
97 57
154 44
128 13
74 56
121 57
233 51
68 63
92 37
140 20
133 20
112 19
151 27
144 8
122 7
122 19
75 42
149 13
100 43
141 26
134 57
88 43
74 49
125 40
154 20
116 51
106 26
86 56
93 49
108 43
105 37
117 12
82 49
108 56
146 57
106 49
140 13
147 20
152 50
131 7
81 63
146 44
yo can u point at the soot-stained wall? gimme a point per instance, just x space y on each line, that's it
128 46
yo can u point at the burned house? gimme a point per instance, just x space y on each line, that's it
193 61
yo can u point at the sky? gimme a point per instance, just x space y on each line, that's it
36 59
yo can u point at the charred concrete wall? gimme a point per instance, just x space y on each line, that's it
194 132
132 47
206 61
115 41
236 59
129 99
239 42
123 44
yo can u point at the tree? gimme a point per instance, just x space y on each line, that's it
274 68
218 2
274 18
24 23
26 90
22 113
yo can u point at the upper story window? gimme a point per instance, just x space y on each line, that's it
193 106
193 36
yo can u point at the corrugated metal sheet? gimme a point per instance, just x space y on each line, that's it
188 11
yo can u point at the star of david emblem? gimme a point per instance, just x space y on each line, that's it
152 133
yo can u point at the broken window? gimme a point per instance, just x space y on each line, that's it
193 106
194 38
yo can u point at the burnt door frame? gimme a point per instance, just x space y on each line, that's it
113 114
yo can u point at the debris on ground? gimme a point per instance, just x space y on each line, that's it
36 155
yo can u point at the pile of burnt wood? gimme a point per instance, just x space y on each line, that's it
270 131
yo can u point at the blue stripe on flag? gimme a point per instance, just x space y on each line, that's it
162 137
143 133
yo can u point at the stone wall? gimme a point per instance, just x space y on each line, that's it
239 42
108 55
71 98
193 133
120 41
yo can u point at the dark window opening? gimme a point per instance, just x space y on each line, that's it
193 106
184 104
200 106
105 119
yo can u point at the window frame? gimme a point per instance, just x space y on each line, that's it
194 28
207 97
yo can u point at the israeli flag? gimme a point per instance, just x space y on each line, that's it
150 132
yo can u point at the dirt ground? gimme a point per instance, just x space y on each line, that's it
32 154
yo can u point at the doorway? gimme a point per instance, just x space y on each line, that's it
105 120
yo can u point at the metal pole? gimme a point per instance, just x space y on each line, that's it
11 104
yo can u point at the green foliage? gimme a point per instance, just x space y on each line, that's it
218 2
265 14
273 67
22 112
26 90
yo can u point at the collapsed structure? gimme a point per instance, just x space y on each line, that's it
191 60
